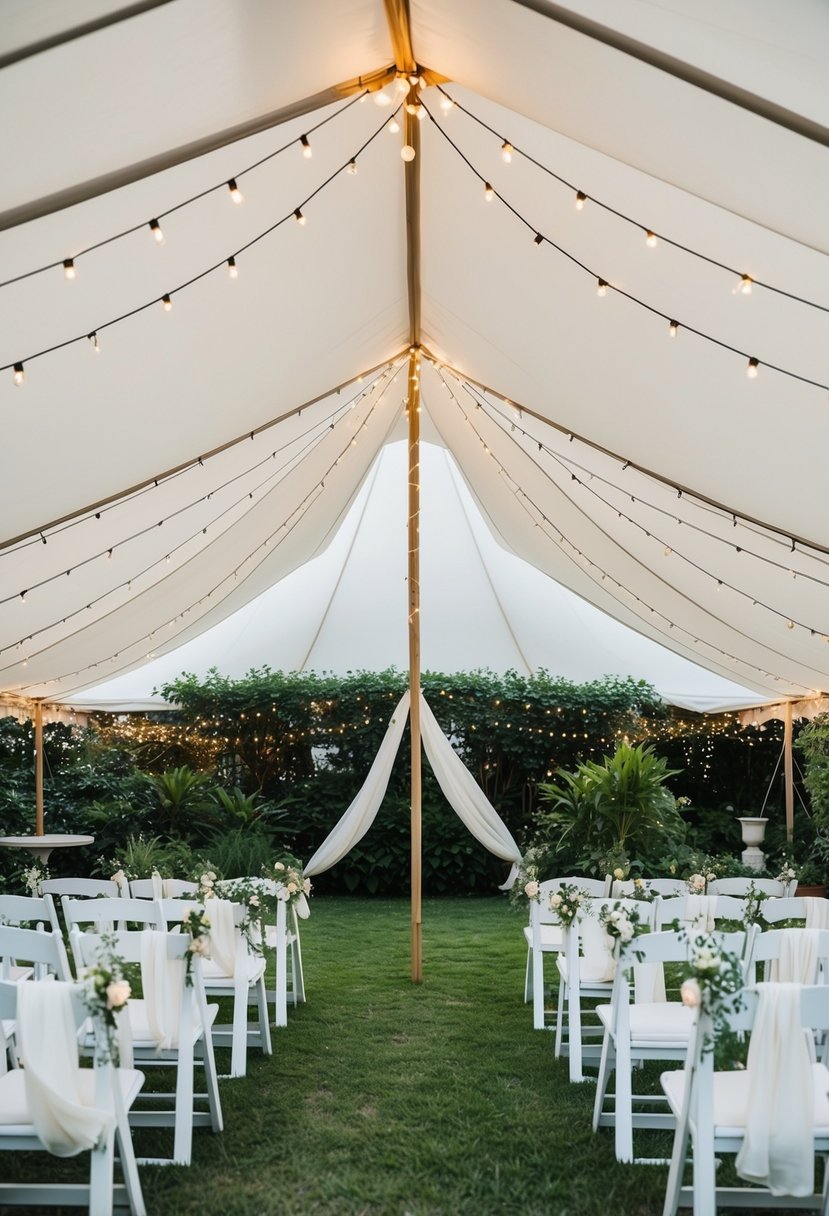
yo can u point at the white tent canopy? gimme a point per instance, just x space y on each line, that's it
482 607
153 488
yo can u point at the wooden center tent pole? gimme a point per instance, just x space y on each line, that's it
397 16
788 768
38 768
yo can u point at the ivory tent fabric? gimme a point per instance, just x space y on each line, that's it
160 469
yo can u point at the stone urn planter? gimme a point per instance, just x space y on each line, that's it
753 828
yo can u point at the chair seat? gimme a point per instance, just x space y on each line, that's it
552 936
15 1119
731 1099
214 977
587 983
661 1023
142 1036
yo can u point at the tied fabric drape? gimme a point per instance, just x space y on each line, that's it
51 1076
798 959
817 913
462 791
361 813
701 911
459 787
222 934
161 980
778 1149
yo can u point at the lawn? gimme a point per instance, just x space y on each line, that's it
384 1098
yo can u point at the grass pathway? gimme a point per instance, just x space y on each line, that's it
384 1098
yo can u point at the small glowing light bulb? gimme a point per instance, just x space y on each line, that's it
744 284
752 367
235 192
393 126
506 151
402 85
601 289
69 268
299 217
155 229
790 624
18 375
307 151
489 193
446 104
412 107
232 268
352 168
667 551
673 326
651 239
381 98
407 152
94 343
581 199
166 302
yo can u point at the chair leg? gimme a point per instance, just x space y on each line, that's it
132 1182
528 976
606 1066
101 1169
560 1008
264 1017
624 1102
538 990
211 1077
239 1041
574 1033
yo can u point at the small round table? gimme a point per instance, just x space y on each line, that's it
41 846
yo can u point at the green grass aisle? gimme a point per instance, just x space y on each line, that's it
384 1098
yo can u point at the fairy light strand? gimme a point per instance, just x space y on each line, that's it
582 197
107 552
661 541
571 551
571 464
265 547
224 184
754 363
196 278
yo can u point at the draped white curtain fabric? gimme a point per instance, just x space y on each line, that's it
777 1150
360 815
462 791
459 787
222 935
701 912
161 981
798 959
49 1047
817 913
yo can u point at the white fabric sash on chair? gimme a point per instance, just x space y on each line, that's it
598 963
797 962
778 1148
51 1076
222 934
817 913
161 981
700 912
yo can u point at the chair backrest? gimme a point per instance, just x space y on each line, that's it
172 911
105 912
740 886
28 909
125 942
667 909
34 946
727 907
674 946
171 888
80 888
655 886
790 907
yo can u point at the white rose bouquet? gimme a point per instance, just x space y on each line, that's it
104 992
568 902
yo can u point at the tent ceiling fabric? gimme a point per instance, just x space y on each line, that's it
316 306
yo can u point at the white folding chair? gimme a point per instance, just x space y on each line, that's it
245 984
635 1031
104 1087
545 935
103 914
586 969
712 1110
193 1029
44 953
